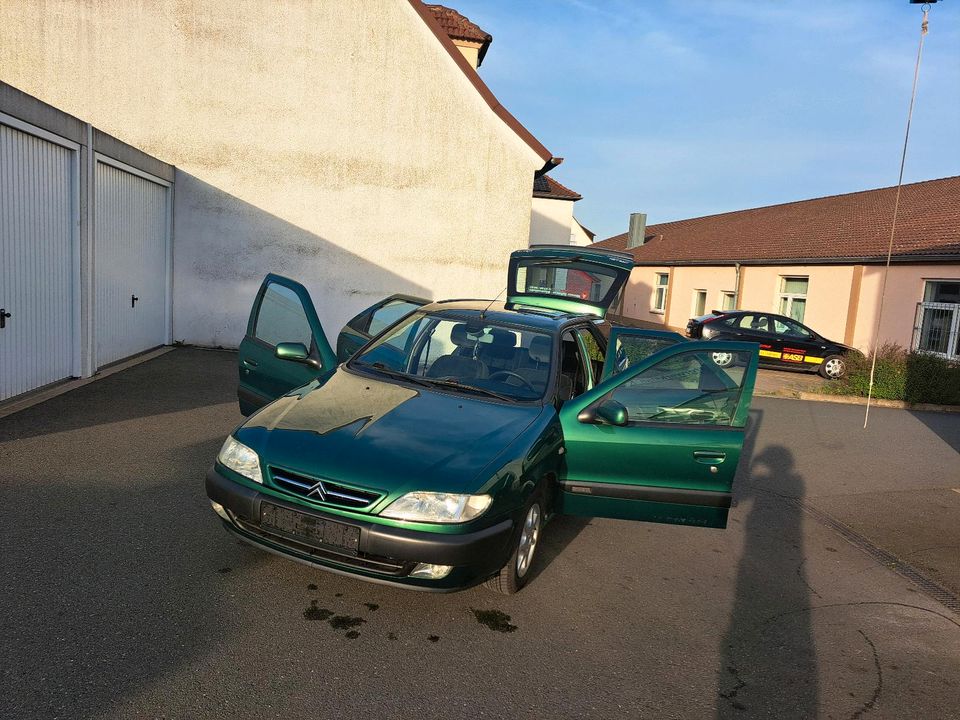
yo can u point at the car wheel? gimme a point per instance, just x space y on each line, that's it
515 574
833 367
722 359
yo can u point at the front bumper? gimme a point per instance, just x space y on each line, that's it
385 554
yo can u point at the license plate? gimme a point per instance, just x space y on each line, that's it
309 529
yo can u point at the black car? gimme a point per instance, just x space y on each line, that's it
784 343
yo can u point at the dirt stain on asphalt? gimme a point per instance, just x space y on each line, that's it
391 636
316 613
311 586
353 635
434 638
494 619
372 606
345 622
224 570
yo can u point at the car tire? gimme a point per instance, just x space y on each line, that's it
833 367
722 359
516 573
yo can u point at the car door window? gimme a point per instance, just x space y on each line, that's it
789 328
573 368
629 350
687 388
385 316
595 353
282 318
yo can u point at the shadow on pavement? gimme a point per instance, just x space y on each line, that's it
945 425
769 669
188 378
113 564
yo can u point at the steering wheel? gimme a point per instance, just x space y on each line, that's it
508 373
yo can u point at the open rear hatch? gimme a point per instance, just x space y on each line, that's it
572 279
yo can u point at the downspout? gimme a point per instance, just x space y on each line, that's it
736 296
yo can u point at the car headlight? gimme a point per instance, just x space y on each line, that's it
437 507
241 459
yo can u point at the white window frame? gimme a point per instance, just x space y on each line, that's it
790 297
697 294
732 294
660 301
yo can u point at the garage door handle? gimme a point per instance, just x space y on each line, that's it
3 317
133 300
709 457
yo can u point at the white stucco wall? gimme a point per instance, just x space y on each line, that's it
904 290
337 143
578 236
551 221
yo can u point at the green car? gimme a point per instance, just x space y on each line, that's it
431 448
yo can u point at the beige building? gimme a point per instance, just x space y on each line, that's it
819 261
551 219
349 145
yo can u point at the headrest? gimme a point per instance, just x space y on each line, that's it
503 339
459 337
540 347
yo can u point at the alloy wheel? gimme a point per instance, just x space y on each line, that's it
528 540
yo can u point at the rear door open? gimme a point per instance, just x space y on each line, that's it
569 279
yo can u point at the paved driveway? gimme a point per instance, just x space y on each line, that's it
123 598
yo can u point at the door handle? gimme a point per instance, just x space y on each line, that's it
3 317
133 300
249 363
709 457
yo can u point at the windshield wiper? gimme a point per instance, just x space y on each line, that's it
384 370
456 384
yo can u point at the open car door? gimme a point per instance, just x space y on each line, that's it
659 438
571 279
284 347
372 321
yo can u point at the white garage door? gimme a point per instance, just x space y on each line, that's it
130 228
38 265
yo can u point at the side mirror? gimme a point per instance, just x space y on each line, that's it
296 352
609 411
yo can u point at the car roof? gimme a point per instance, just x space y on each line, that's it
510 314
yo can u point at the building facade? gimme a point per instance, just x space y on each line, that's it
551 219
351 146
819 261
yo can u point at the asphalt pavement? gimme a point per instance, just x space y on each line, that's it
124 598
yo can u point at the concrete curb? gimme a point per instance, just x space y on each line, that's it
36 397
855 400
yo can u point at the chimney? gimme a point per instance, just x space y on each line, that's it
638 230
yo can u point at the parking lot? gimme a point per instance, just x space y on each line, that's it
124 598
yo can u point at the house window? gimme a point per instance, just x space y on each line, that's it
942 291
660 292
699 302
793 296
728 300
937 325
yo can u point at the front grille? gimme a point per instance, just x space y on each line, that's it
360 560
323 491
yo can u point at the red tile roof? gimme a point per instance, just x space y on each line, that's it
457 26
488 97
855 226
545 186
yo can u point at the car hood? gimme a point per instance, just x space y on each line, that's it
385 436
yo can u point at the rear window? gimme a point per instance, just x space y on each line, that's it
565 278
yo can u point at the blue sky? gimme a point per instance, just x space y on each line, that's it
681 109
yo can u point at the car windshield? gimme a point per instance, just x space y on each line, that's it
469 356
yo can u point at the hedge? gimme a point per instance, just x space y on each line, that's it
914 377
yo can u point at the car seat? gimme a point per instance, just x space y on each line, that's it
460 363
537 372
